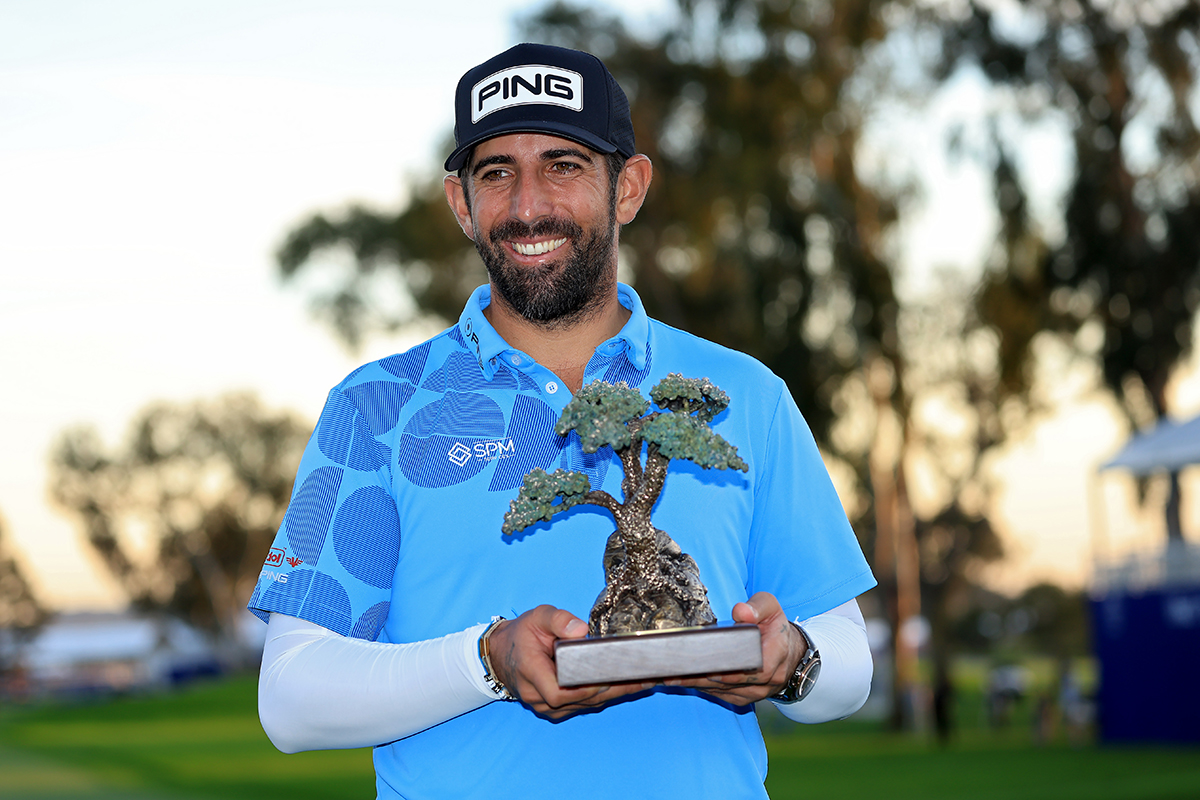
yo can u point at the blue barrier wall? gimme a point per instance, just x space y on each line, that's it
1148 649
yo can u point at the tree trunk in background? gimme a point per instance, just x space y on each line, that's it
908 607
1174 498
897 566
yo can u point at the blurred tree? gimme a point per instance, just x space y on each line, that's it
1056 620
421 244
1120 79
1045 619
198 489
21 615
949 442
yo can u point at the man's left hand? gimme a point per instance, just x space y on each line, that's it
782 648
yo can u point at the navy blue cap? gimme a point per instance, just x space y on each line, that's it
538 88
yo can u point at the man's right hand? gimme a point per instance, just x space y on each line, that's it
523 659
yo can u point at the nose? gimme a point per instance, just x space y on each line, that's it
531 197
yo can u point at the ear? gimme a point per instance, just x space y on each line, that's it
456 197
632 187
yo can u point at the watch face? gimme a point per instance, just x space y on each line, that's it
808 676
802 680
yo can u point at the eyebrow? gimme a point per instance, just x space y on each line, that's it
548 155
491 160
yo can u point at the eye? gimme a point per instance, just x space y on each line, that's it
565 167
494 174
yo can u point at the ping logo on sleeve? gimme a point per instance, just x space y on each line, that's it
531 84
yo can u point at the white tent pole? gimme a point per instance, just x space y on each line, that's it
1097 511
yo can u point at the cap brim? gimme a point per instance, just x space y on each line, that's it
459 156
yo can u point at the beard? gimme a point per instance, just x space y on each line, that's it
556 292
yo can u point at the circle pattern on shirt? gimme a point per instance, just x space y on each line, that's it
359 536
535 444
335 428
439 445
371 622
366 452
461 373
380 403
310 511
410 365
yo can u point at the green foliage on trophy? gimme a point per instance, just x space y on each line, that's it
650 583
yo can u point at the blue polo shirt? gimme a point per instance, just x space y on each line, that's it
393 535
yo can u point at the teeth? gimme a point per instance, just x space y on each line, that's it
539 248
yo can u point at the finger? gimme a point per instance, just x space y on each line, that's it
574 699
544 684
738 698
594 698
569 626
745 613
558 697
730 681
765 606
738 694
598 695
710 682
522 653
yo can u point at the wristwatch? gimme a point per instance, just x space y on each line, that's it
805 676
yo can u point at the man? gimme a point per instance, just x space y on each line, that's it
389 578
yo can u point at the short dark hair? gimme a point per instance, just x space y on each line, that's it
613 163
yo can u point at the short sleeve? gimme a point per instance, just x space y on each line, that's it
802 548
334 557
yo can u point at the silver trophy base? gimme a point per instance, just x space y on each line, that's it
651 655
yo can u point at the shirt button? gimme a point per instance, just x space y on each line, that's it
551 387
516 360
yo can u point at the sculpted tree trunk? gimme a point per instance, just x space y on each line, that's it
651 584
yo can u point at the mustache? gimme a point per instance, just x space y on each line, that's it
550 226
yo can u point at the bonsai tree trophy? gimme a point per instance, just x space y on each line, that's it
652 619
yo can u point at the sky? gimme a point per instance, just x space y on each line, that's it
152 156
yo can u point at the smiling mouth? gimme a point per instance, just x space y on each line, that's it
538 248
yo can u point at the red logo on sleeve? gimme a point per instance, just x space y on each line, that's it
295 562
275 557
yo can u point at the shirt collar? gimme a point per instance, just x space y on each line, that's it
636 332
481 337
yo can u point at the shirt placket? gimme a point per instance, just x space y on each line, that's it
552 390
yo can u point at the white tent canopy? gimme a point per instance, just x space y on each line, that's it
1168 447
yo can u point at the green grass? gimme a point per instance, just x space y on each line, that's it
858 760
198 744
205 743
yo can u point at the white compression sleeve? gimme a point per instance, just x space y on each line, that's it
844 682
320 690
